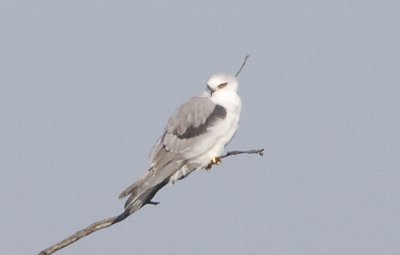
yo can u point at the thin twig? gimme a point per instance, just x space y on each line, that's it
243 64
232 153
113 220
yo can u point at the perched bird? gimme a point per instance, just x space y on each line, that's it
194 138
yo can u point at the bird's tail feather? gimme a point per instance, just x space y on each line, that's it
132 189
144 189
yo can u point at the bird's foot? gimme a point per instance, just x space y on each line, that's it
214 161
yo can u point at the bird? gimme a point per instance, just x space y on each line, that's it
194 138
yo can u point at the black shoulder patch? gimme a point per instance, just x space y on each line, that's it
219 112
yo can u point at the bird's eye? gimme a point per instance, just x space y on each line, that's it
222 85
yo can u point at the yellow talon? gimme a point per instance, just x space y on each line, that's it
214 161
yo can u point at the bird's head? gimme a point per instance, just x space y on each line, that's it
218 83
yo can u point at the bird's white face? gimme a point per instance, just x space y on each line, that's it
219 83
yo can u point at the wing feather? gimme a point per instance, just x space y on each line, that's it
186 127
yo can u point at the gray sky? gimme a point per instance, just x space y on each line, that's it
86 89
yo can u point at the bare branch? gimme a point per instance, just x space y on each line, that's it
113 220
80 234
243 64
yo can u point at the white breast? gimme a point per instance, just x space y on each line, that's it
226 129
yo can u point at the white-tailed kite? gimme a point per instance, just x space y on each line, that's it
194 138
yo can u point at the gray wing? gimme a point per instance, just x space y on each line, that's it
186 127
183 136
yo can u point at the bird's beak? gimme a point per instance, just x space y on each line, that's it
210 89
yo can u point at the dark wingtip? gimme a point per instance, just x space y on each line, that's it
121 217
128 202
